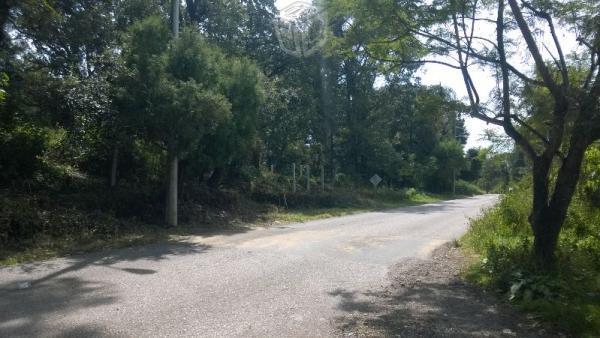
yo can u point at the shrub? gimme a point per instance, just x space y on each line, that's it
20 152
467 189
503 240
19 220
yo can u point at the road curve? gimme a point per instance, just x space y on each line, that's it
275 282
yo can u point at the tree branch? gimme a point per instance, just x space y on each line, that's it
478 56
506 107
533 49
530 128
536 133
561 103
401 61
562 64
590 75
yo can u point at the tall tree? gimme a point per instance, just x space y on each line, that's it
174 93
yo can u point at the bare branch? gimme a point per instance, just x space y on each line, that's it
587 44
563 64
533 49
473 88
556 62
403 62
508 126
486 40
478 56
530 128
561 105
537 133
463 66
485 118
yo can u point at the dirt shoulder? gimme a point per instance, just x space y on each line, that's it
429 298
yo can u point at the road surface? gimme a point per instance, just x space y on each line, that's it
284 281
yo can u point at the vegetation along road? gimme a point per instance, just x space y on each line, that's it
287 281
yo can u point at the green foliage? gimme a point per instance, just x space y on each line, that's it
235 140
500 170
502 239
533 287
19 221
450 160
20 150
174 94
3 85
474 161
590 174
465 188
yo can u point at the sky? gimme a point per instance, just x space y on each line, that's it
485 82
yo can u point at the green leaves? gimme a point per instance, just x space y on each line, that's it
184 90
3 85
531 287
192 58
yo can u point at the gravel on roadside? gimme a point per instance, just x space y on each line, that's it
428 298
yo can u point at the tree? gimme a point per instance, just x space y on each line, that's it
234 142
174 93
241 28
474 163
450 29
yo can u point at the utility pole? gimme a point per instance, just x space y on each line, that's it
455 128
171 208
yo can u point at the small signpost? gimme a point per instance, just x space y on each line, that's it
375 180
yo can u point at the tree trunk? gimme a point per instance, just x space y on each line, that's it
171 209
215 179
113 167
544 233
550 211
545 241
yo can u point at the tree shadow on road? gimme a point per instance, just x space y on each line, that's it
444 206
430 309
45 290
30 312
427 298
153 252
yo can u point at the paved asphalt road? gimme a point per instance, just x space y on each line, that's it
284 281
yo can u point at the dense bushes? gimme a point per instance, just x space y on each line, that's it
467 189
28 219
64 211
20 152
569 296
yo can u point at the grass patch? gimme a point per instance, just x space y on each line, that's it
374 203
501 242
